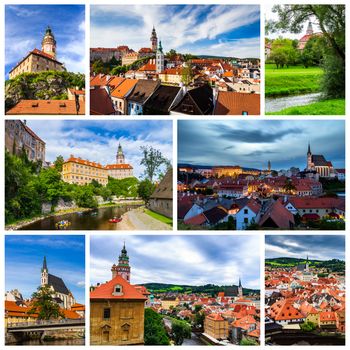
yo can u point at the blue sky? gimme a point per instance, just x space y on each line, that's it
230 30
65 256
98 140
193 260
25 26
255 142
319 247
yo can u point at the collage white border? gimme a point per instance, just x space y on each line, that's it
259 234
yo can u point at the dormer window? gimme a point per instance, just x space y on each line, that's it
118 290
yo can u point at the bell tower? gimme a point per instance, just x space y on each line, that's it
48 44
44 274
240 289
309 158
120 155
123 267
154 40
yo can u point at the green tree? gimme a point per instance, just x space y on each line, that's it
145 189
331 21
289 187
180 330
187 73
84 197
58 163
171 55
152 160
98 67
44 304
155 333
246 341
308 326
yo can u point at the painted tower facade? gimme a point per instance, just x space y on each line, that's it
120 155
123 267
154 40
48 44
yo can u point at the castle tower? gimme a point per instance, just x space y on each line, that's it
123 267
120 155
154 40
44 273
240 289
309 30
309 157
307 264
159 59
48 44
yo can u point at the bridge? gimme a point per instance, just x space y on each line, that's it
45 325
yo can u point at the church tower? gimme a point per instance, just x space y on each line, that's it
309 158
120 155
307 264
44 274
269 166
309 30
240 289
159 59
154 40
48 44
123 267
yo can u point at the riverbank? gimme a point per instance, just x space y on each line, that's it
22 223
325 107
138 219
294 80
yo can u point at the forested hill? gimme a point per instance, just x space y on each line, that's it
334 265
208 288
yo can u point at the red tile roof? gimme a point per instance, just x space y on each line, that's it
104 291
47 107
118 166
216 317
197 220
121 90
84 162
284 310
281 216
235 103
317 203
100 102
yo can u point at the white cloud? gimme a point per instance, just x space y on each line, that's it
180 30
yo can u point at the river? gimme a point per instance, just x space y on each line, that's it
275 104
88 220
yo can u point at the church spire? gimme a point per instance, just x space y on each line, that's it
309 149
44 264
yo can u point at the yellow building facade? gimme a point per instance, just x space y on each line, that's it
82 172
117 314
216 326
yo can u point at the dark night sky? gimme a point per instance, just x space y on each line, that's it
251 143
319 247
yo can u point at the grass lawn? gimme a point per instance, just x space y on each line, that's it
326 107
159 217
294 80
